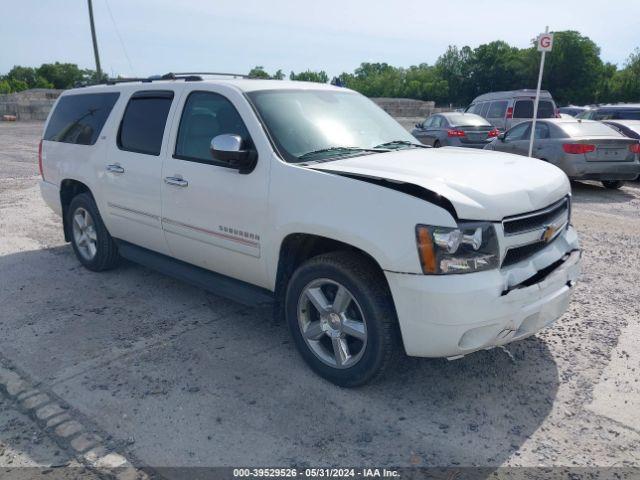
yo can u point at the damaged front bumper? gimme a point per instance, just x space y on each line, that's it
452 315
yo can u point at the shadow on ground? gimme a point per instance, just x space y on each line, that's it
587 192
178 377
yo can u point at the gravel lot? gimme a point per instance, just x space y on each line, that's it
170 375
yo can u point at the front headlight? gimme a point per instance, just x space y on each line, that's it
472 247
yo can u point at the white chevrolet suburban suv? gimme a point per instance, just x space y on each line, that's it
312 198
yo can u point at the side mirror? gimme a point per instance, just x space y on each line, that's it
418 125
229 148
502 136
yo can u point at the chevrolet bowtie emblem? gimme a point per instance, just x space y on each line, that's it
549 233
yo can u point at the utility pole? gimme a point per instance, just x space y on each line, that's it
95 41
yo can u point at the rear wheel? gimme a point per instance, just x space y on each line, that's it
612 184
91 242
341 316
437 144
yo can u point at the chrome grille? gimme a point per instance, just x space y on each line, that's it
527 234
527 222
517 254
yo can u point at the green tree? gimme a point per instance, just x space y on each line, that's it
624 85
64 75
573 70
258 72
310 76
496 66
455 67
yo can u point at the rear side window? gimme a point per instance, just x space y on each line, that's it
497 109
485 109
79 119
143 123
524 109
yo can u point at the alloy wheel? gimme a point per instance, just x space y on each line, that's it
84 233
332 323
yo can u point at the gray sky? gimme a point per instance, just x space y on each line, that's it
176 35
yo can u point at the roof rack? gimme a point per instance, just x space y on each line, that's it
186 76
219 74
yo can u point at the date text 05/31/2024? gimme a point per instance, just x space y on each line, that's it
315 472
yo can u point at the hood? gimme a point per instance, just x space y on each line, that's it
480 184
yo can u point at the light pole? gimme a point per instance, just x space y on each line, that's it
95 41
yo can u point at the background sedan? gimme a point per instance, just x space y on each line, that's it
455 129
583 149
628 128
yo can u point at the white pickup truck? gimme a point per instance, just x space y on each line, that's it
312 198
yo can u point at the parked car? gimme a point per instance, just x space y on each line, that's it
618 111
628 128
456 130
583 149
506 109
311 198
571 110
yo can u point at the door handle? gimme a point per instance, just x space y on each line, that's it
115 168
177 181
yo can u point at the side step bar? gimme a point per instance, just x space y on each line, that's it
215 283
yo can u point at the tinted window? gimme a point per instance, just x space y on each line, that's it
524 109
206 115
542 131
518 132
437 122
546 109
143 123
485 109
497 109
79 118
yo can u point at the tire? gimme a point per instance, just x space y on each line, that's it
367 325
437 144
612 184
91 242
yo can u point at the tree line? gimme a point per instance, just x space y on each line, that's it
574 73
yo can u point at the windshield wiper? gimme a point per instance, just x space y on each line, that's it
400 144
339 151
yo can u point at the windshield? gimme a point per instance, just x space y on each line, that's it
323 124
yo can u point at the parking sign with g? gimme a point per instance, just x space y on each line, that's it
545 42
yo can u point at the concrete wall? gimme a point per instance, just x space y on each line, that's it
35 105
407 111
31 104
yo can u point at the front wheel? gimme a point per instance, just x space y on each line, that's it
341 316
612 184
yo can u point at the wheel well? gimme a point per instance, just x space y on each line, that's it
68 189
296 248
